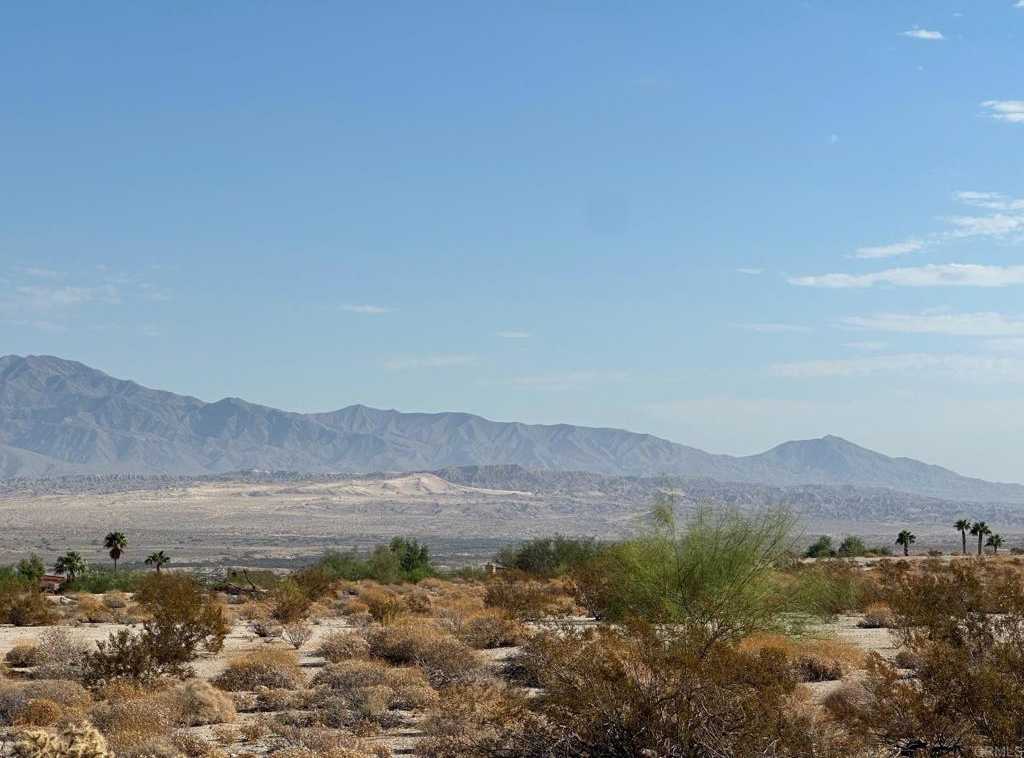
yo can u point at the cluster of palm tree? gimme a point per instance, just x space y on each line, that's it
978 529
72 564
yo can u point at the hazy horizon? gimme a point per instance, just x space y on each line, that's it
727 226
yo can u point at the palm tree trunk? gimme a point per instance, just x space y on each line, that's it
979 544
963 536
906 548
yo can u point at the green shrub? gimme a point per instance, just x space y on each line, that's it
548 556
98 580
719 572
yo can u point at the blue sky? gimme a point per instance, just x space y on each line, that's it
725 224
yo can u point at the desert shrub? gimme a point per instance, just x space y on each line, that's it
182 618
297 634
155 748
289 602
123 656
15 696
128 724
548 556
115 600
342 646
76 741
266 628
97 580
262 668
632 691
444 658
821 548
91 610
852 547
825 589
964 627
522 599
489 628
195 746
409 686
199 703
26 607
413 558
383 605
907 659
812 660
31 569
402 560
24 655
877 616
719 572
478 720
38 712
62 656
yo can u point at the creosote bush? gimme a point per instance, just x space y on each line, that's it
273 668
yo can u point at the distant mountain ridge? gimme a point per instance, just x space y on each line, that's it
61 417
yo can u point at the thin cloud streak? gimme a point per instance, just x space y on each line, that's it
933 275
966 367
407 363
367 310
986 324
925 34
1010 111
890 251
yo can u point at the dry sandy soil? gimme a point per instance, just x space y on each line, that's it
272 524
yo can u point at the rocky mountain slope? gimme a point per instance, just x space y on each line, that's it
61 417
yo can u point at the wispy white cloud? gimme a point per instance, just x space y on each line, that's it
867 345
750 271
890 251
41 325
405 363
984 368
1011 111
932 275
984 324
926 34
771 328
39 273
367 310
514 334
49 298
1006 345
992 200
996 225
569 380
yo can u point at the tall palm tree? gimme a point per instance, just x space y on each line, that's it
981 530
158 560
994 542
70 564
962 526
906 539
115 542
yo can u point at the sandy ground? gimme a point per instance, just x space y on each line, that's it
260 523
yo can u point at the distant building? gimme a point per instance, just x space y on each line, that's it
493 568
51 582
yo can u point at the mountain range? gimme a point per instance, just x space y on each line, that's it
61 417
